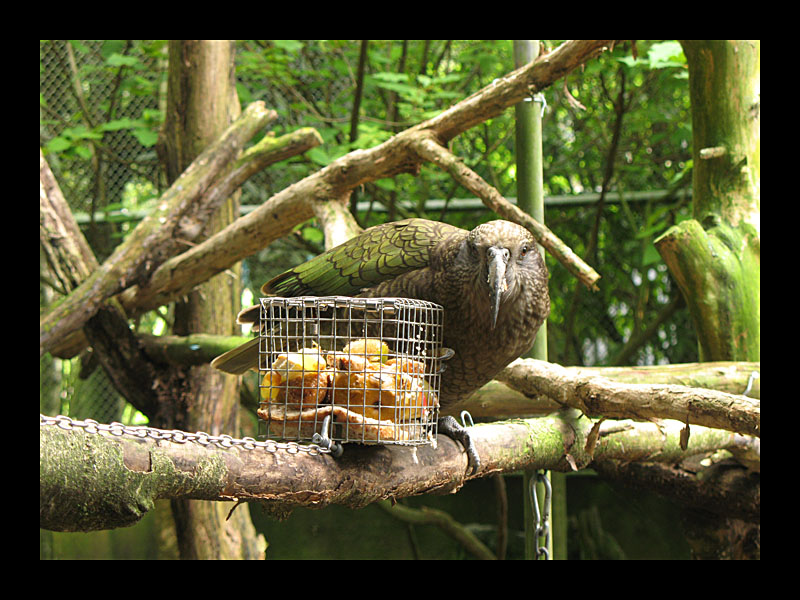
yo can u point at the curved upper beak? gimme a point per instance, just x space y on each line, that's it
498 262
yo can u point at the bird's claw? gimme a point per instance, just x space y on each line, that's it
455 431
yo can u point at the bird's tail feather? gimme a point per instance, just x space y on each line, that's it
239 360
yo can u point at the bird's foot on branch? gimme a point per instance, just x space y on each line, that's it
455 431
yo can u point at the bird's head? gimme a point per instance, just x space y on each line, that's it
509 262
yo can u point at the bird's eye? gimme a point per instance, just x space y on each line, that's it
523 251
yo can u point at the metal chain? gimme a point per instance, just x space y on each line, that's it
180 437
541 520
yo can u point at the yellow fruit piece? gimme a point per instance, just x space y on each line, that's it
297 379
407 365
294 364
381 392
361 378
373 349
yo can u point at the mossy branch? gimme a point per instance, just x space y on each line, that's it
99 480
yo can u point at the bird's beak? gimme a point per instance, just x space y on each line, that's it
498 260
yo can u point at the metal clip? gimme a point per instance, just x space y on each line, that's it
324 440
464 417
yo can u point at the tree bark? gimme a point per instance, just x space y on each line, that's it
68 256
504 398
167 282
155 239
715 257
597 396
102 479
201 104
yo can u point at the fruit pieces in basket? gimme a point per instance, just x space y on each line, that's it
362 378
297 380
386 392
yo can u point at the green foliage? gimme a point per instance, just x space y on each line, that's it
130 68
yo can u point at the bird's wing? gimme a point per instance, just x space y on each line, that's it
378 254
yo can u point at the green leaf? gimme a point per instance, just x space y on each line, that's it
118 124
319 156
81 133
118 60
313 235
83 152
58 144
288 45
79 46
146 137
651 256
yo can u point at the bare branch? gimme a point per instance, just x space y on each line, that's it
178 275
66 250
432 151
596 396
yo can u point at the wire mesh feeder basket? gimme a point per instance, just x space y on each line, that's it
350 369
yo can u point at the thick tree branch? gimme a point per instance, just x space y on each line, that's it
165 280
596 396
71 261
336 221
67 252
190 350
177 276
98 480
514 87
499 401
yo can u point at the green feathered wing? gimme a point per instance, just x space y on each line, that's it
378 254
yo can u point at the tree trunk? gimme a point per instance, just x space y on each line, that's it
715 257
201 103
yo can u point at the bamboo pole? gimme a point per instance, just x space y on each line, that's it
530 198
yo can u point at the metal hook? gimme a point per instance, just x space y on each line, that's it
540 98
323 440
753 375
464 416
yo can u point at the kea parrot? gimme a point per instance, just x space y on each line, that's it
491 281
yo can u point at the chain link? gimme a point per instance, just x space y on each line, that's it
541 519
179 437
